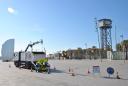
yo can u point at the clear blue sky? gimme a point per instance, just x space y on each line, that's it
62 24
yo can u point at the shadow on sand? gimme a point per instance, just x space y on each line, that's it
56 71
114 78
81 74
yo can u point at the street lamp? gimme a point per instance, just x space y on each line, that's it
122 37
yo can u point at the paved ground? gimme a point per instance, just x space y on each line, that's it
61 76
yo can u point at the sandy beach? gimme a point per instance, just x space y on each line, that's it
60 75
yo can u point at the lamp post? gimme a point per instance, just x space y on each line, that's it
98 38
86 50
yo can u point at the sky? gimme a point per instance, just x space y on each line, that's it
62 24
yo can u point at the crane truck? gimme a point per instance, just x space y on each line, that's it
30 60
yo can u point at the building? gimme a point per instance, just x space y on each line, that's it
90 53
7 50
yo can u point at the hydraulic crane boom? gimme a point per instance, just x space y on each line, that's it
32 44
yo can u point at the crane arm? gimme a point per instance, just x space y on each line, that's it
34 43
27 47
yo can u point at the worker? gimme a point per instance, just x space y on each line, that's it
47 65
37 67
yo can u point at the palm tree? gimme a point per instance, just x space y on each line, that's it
125 46
119 47
64 54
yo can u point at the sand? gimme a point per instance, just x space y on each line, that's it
60 75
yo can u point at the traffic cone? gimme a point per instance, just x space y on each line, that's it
88 71
72 74
117 76
69 70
